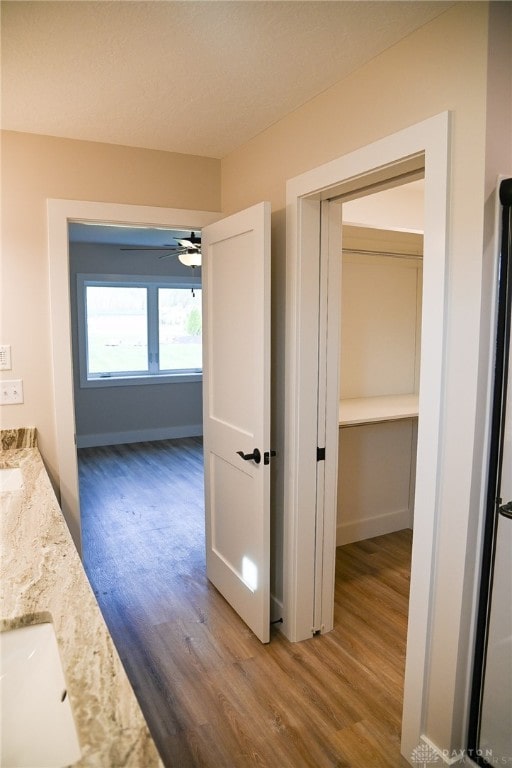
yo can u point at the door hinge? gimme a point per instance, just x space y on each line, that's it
320 454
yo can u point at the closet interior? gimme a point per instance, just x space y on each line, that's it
381 293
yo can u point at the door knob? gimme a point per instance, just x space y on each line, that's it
254 456
506 510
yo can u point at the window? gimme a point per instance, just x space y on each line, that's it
136 330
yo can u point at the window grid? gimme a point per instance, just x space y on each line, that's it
151 372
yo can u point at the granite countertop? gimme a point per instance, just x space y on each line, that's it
42 579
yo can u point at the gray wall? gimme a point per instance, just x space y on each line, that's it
129 413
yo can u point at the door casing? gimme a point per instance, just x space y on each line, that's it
424 145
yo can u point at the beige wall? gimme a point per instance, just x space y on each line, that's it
35 168
442 66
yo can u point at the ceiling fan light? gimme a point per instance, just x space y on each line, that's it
190 259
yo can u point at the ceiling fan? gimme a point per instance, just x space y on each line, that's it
188 250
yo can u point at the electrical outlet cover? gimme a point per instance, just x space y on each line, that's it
11 392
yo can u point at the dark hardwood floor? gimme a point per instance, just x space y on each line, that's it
212 695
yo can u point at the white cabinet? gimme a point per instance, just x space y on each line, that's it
379 373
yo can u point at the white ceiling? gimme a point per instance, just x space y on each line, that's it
199 77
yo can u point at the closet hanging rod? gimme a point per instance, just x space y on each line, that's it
391 254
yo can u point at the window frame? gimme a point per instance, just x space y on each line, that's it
131 378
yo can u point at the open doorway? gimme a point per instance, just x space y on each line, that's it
60 213
136 324
253 225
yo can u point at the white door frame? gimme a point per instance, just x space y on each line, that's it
424 144
60 213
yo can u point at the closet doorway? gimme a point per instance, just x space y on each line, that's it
314 215
381 286
380 352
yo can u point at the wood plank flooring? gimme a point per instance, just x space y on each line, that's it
213 696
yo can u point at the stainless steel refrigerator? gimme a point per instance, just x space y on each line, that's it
490 724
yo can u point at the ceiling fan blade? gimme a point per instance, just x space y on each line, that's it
178 252
151 248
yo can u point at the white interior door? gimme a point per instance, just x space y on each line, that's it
236 411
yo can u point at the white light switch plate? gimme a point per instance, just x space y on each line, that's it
11 392
5 357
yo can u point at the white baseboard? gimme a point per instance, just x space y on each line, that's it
138 436
429 755
369 527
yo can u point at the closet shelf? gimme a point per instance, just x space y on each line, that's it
367 410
